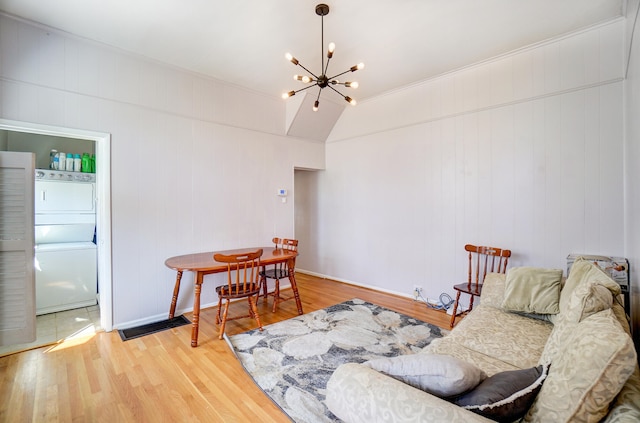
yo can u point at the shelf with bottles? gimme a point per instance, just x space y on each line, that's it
71 162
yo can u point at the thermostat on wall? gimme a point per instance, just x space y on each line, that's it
282 192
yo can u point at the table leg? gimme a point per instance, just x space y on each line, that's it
196 309
263 281
174 299
294 286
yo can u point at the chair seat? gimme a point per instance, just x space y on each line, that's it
275 274
473 289
233 292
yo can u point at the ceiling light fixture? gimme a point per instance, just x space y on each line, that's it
322 81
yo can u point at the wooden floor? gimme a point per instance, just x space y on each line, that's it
159 377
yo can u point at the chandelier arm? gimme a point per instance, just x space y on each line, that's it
314 75
340 74
324 71
306 88
329 86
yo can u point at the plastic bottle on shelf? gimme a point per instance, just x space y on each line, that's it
56 162
62 161
69 163
77 163
52 155
93 163
86 162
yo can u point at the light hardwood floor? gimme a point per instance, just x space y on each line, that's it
159 377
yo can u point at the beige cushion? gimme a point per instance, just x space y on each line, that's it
593 363
532 290
581 270
590 297
359 394
493 290
437 374
512 339
592 292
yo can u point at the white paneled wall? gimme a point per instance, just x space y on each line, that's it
523 152
590 57
632 159
195 163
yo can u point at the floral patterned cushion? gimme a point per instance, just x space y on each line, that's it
493 290
515 340
592 294
359 394
590 368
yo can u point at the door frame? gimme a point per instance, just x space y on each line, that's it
103 202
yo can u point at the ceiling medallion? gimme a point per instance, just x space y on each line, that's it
322 81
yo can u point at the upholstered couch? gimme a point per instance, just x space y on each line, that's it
581 347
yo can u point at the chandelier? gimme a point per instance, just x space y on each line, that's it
322 81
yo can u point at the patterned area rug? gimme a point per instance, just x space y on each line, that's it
292 360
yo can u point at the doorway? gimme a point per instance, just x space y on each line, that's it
103 198
306 223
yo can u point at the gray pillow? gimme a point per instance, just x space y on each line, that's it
532 290
437 374
505 396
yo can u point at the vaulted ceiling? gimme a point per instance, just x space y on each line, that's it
243 42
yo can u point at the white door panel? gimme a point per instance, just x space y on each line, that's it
17 280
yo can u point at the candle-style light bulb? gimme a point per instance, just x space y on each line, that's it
332 48
291 58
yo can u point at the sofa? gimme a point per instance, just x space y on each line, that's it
538 348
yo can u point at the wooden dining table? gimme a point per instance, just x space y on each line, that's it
202 264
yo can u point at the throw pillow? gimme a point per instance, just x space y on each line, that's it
581 270
505 396
591 297
493 290
437 374
592 365
593 293
532 290
593 362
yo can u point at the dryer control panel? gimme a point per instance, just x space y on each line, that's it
59 175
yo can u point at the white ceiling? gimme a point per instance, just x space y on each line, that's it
244 41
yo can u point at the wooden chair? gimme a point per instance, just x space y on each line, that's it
243 271
279 271
482 260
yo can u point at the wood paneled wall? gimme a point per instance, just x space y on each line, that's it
522 152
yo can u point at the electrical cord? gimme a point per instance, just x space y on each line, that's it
445 302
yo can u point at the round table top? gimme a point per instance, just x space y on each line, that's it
204 262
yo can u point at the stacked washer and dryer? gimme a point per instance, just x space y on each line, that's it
66 253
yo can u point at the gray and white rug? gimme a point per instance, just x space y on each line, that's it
292 360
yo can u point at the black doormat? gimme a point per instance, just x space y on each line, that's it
149 328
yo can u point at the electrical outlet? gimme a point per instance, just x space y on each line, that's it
417 292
